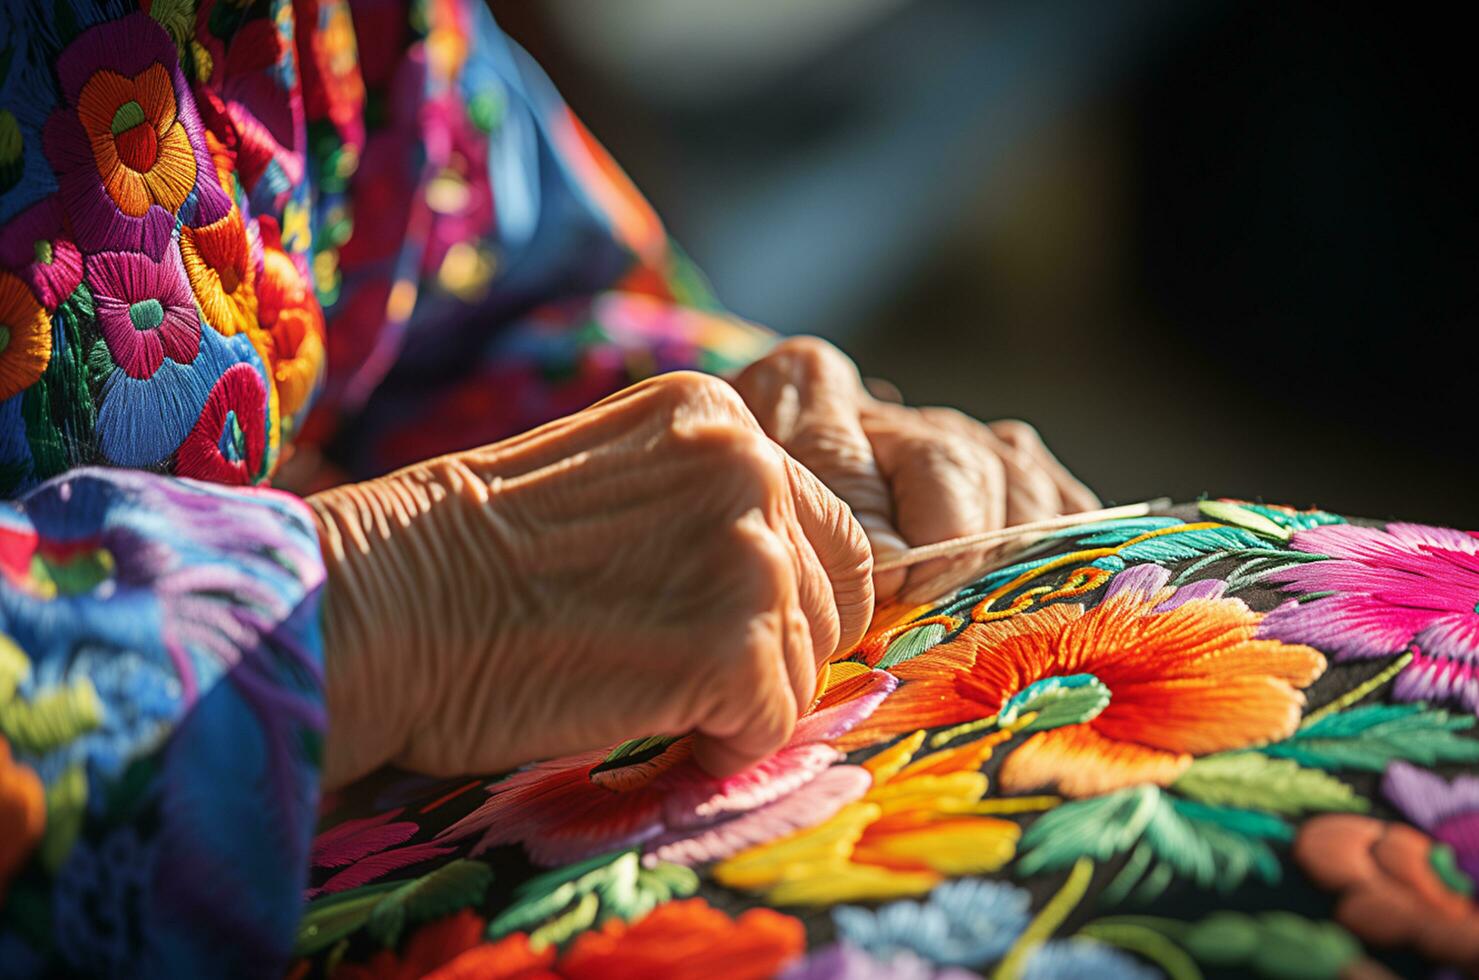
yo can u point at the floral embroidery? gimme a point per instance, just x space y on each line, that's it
1408 586
686 939
655 795
25 336
218 261
144 309
129 153
1171 674
37 248
1395 886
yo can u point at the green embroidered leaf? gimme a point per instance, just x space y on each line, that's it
1211 846
1249 779
1057 701
450 888
907 646
1371 736
328 920
1278 945
52 718
1243 517
595 890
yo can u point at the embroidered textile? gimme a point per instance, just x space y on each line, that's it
1229 740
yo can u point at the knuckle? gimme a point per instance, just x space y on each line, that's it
681 391
807 350
1017 432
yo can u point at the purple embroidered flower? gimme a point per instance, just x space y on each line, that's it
36 247
1407 587
129 149
145 309
1449 812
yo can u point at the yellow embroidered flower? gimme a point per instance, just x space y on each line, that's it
25 337
219 264
142 151
922 821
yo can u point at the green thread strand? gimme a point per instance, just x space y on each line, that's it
1148 944
1047 921
1360 691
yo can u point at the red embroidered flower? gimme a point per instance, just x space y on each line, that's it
229 440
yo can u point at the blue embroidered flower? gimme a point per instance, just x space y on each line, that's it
963 923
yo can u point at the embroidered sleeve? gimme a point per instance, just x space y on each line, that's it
530 276
161 714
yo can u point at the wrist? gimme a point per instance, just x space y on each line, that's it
417 575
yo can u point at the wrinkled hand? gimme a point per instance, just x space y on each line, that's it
912 476
652 565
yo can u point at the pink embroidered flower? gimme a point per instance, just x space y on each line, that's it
128 148
36 247
1409 586
145 309
582 805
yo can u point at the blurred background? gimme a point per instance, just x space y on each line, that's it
1205 248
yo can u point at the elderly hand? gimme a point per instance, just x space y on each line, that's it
652 565
912 476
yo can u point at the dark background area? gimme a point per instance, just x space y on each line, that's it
1211 248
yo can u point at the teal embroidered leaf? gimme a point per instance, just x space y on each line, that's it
1249 779
907 646
1113 532
1370 736
1295 520
1180 545
1239 516
450 888
1057 701
1167 838
591 891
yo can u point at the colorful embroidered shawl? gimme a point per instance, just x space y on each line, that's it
1232 740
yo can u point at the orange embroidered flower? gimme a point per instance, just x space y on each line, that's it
289 312
1153 676
429 947
687 940
22 814
142 151
1397 887
218 262
25 337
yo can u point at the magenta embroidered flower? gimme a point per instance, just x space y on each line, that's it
145 309
1406 587
128 148
36 247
